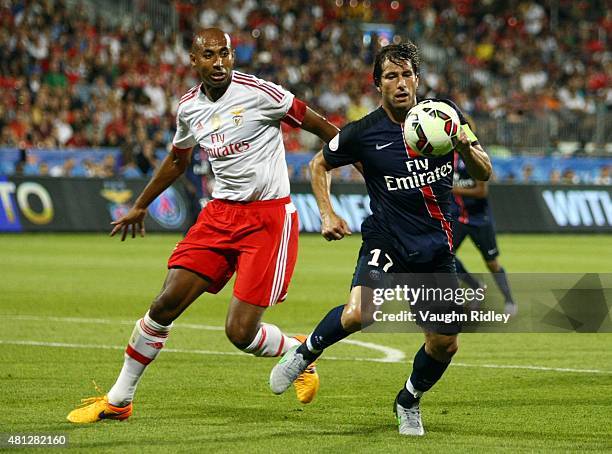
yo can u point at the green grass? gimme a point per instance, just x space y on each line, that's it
190 401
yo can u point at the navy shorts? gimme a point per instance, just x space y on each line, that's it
379 265
483 237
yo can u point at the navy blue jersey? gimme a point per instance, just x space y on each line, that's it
410 196
199 172
469 210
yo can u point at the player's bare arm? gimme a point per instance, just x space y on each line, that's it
333 227
359 167
318 125
476 160
480 191
171 168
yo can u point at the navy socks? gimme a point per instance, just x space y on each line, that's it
328 332
426 371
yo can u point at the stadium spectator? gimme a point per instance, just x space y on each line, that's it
43 169
555 176
527 174
569 177
604 177
66 169
334 100
108 167
145 157
130 170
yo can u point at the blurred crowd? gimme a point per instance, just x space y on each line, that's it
70 80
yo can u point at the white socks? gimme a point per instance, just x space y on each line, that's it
270 341
149 337
147 340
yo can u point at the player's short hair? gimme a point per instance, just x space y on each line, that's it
396 53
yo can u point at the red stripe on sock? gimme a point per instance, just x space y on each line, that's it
137 356
152 332
263 339
282 344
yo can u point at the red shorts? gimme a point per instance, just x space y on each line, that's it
258 240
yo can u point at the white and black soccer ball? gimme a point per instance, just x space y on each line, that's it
431 128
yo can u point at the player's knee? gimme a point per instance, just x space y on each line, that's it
493 266
351 318
451 348
443 348
239 335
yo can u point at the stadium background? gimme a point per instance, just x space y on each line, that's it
89 91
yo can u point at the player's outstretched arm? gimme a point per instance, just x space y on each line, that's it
318 125
479 191
333 227
170 169
476 159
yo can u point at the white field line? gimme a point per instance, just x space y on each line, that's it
168 350
391 355
237 353
99 321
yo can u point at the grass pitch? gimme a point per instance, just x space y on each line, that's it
68 303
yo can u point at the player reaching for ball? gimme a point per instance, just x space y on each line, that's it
250 227
408 232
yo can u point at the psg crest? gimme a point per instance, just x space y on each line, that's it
169 209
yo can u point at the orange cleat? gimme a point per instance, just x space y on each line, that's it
95 409
308 382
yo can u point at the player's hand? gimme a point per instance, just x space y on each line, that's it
133 220
333 227
463 145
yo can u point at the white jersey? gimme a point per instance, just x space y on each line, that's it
241 134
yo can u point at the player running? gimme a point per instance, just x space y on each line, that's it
250 227
473 218
408 232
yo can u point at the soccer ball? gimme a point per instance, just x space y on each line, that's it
432 128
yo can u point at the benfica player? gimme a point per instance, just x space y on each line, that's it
408 232
250 227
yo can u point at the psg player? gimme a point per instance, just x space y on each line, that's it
408 232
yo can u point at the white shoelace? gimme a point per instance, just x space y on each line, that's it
296 366
412 416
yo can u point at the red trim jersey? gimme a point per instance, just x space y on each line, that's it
241 134
410 195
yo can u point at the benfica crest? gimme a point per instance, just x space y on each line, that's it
237 116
